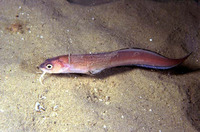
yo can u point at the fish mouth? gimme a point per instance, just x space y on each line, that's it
44 70
42 67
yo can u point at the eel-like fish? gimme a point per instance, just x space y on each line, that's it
95 63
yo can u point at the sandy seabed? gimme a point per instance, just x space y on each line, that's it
123 99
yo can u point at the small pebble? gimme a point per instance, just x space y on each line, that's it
55 107
70 40
107 103
38 107
43 97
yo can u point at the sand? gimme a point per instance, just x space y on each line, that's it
123 99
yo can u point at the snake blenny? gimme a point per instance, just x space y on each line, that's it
95 63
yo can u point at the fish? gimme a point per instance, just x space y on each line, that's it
95 63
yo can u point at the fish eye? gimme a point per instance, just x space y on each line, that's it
49 66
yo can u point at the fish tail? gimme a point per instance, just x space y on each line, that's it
176 62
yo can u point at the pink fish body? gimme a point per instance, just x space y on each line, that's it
95 63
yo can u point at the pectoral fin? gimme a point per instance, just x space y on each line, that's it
92 72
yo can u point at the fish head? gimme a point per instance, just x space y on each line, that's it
53 65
